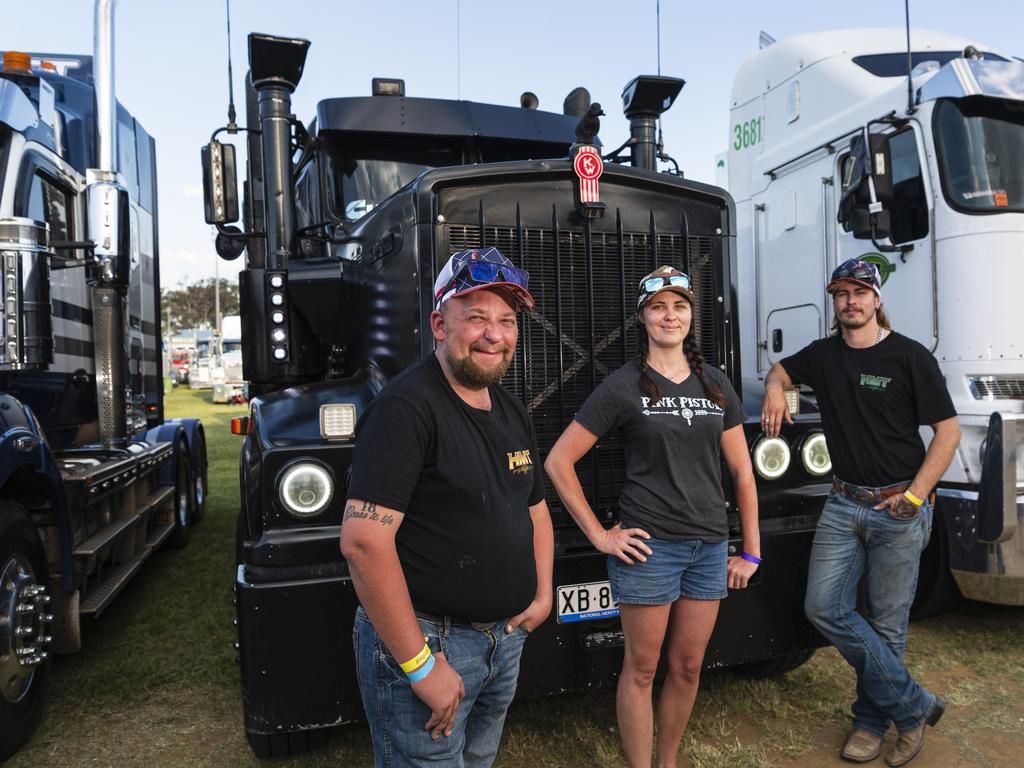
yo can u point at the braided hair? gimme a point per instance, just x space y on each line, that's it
693 357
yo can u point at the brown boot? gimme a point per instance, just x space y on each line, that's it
861 747
909 743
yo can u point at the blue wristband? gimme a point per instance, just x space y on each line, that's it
751 558
423 671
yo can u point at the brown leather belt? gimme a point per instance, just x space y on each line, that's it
867 495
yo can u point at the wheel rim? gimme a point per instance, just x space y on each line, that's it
183 502
24 621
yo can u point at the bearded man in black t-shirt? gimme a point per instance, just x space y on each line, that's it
446 532
875 389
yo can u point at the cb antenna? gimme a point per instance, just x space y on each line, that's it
231 126
910 65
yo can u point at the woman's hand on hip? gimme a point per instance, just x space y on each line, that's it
624 543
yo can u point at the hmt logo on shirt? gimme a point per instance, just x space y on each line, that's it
877 383
519 462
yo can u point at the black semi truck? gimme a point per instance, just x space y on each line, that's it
346 221
93 478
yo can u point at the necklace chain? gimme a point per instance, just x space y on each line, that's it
881 334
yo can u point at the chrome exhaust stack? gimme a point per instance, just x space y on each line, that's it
108 229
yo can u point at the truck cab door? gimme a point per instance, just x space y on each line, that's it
906 258
789 223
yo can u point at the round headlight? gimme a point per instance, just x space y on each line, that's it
305 489
771 457
814 455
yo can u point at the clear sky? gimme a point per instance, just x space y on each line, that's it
172 72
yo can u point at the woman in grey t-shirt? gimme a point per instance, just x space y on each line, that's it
668 558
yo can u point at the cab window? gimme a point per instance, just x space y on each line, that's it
49 202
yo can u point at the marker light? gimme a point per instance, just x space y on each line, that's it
277 316
277 299
278 335
771 457
279 353
276 281
338 421
814 455
305 489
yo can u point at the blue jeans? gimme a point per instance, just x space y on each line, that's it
852 540
488 661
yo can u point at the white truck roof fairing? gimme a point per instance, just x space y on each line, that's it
810 89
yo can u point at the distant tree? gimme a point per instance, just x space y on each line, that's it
192 306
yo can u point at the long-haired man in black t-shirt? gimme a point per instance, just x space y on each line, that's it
875 388
446 532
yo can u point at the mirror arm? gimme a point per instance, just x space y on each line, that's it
222 229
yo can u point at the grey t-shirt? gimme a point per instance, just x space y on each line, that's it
673 487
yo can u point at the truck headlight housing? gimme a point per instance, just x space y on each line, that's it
814 455
771 457
305 489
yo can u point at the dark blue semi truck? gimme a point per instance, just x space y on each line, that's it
346 220
93 479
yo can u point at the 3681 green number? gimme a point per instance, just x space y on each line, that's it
747 134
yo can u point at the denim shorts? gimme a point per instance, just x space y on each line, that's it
691 568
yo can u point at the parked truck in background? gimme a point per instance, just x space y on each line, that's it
932 192
341 249
228 379
93 478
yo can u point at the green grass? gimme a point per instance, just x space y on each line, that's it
156 682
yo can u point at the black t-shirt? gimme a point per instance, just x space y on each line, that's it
872 402
464 479
672 448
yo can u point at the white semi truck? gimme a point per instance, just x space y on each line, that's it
934 191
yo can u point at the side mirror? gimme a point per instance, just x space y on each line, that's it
867 188
229 248
220 184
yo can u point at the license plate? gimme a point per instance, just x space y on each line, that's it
586 602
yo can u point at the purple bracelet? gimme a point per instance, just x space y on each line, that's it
751 558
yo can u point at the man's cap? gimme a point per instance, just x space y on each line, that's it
862 273
479 268
664 278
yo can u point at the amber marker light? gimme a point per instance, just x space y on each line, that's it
240 425
17 61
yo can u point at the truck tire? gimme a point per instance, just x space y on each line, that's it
23 572
780 665
199 477
184 498
265 746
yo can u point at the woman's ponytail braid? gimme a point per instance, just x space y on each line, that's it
696 361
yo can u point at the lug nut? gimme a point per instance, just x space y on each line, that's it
23 631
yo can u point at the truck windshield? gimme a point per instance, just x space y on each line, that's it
981 142
232 346
362 174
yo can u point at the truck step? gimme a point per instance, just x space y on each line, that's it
106 536
157 535
104 592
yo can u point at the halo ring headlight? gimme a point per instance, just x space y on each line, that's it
814 455
771 457
305 489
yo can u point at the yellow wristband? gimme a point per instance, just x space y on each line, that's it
913 499
418 660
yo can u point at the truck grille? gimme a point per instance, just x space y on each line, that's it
992 388
559 360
